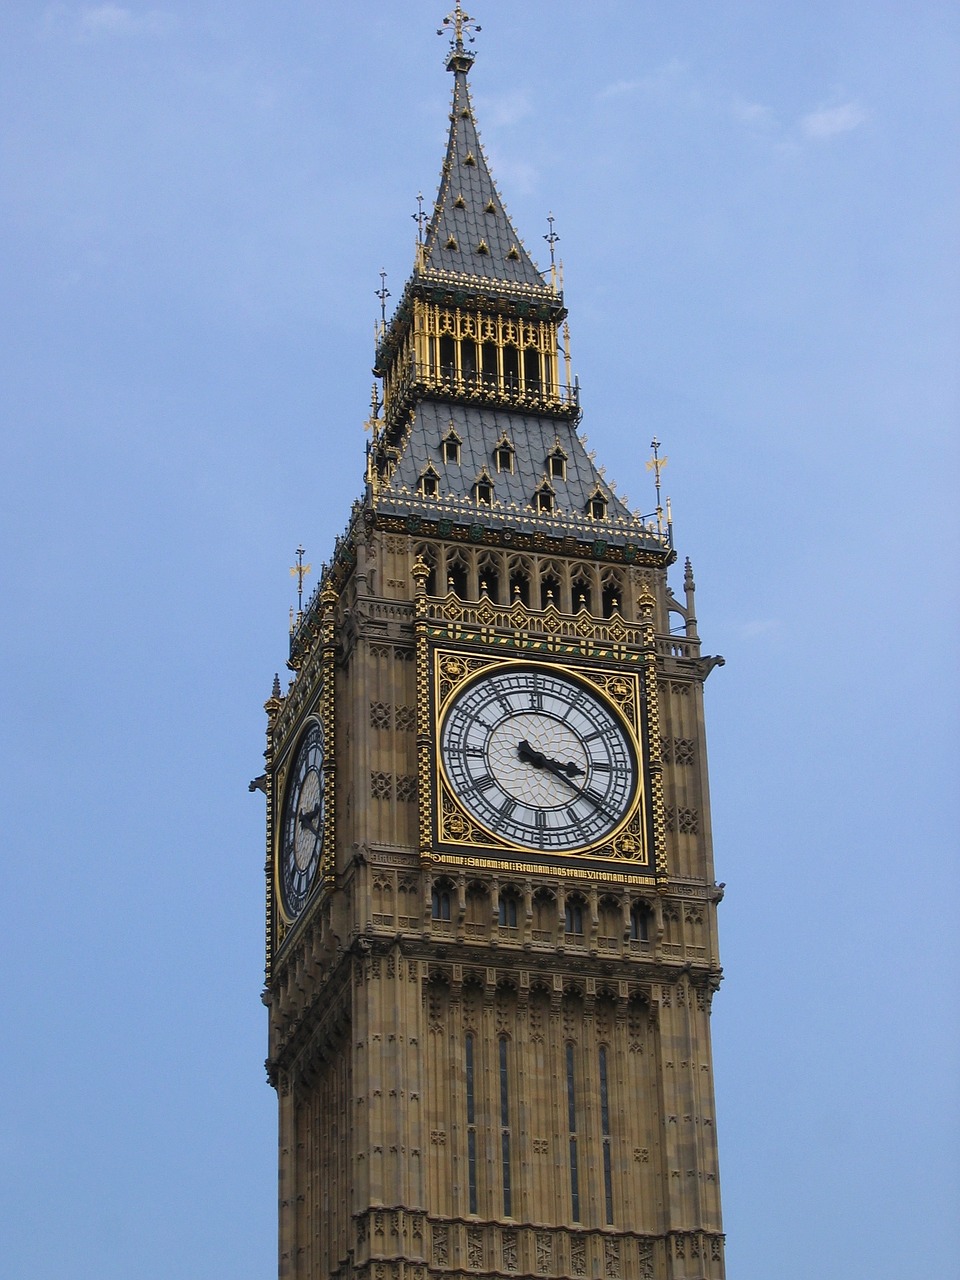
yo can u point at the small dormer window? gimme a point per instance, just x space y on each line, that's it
429 483
557 463
544 497
450 446
460 203
489 207
503 455
451 243
483 489
597 505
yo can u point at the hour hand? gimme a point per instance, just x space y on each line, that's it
539 761
309 819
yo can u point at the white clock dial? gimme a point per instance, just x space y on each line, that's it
301 834
538 758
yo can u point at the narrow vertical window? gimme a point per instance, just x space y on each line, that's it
605 1125
572 1125
471 1128
505 1129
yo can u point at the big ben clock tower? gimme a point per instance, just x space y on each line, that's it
491 904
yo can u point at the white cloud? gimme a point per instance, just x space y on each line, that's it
506 109
104 20
752 112
827 122
664 77
515 175
620 88
760 627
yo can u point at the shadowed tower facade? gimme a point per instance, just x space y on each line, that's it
491 904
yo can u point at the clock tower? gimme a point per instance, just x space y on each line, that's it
491 903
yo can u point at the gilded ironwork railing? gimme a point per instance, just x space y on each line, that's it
416 379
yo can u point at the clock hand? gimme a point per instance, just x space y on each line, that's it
308 819
539 761
562 771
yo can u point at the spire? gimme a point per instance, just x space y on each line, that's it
470 233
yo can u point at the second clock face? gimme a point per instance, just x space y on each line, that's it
301 837
538 758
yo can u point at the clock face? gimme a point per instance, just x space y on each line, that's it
301 834
539 758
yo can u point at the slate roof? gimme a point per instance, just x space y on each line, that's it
470 232
534 438
480 430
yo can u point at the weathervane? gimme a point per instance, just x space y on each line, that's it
299 571
373 422
551 239
656 465
383 293
419 217
462 25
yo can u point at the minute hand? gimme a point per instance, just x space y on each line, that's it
595 800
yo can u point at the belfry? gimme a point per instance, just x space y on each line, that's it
491 903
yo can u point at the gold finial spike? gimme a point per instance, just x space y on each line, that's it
458 25
656 465
299 571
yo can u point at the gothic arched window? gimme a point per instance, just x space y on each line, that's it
509 910
440 900
639 922
573 915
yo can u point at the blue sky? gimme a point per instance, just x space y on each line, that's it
758 211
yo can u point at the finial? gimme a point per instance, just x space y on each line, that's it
275 691
551 238
373 423
383 293
299 571
419 217
656 465
689 590
461 58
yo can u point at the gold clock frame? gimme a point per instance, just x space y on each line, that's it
454 830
